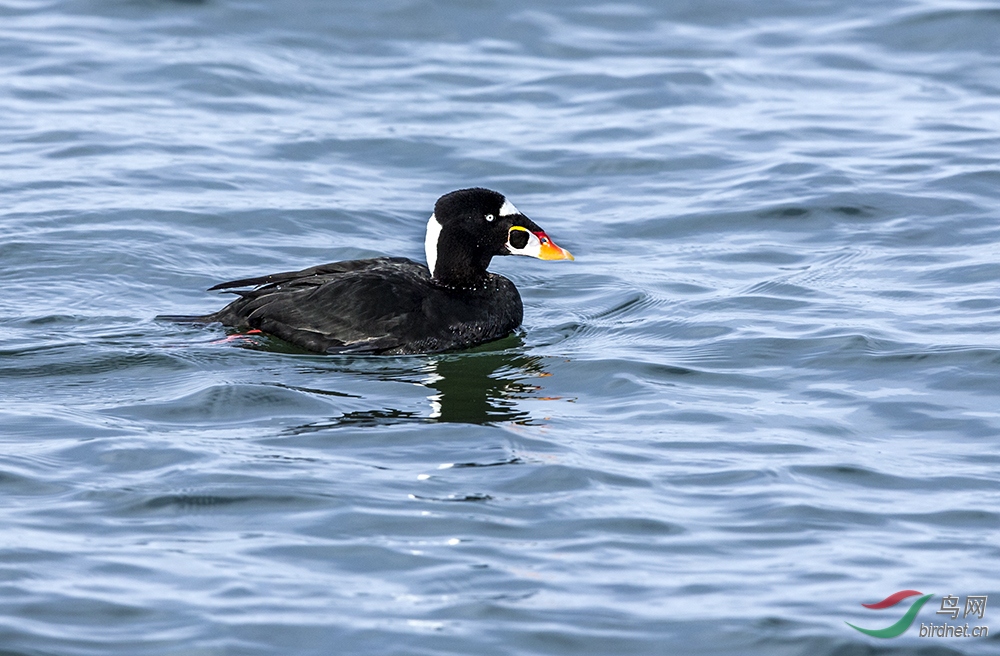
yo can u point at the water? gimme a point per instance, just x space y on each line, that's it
765 392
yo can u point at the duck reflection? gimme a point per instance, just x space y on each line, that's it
480 386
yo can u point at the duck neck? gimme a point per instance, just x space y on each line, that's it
460 269
455 260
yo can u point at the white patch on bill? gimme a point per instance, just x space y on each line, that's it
508 208
532 249
431 242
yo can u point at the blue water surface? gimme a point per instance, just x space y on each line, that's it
767 391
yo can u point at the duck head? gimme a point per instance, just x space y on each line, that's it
470 226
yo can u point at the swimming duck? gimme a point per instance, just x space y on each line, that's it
393 305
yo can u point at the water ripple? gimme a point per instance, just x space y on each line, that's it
763 394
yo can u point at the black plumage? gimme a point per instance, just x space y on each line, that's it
393 305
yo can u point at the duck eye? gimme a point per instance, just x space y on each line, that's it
489 217
518 239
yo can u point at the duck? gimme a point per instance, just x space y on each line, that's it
394 305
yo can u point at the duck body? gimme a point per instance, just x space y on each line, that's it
385 305
393 305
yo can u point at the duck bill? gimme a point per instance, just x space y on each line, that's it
549 250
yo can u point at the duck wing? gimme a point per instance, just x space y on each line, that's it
331 268
360 306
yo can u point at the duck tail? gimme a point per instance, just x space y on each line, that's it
185 318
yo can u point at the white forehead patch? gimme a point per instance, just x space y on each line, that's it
431 242
508 208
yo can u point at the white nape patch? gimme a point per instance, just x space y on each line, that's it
508 208
431 242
